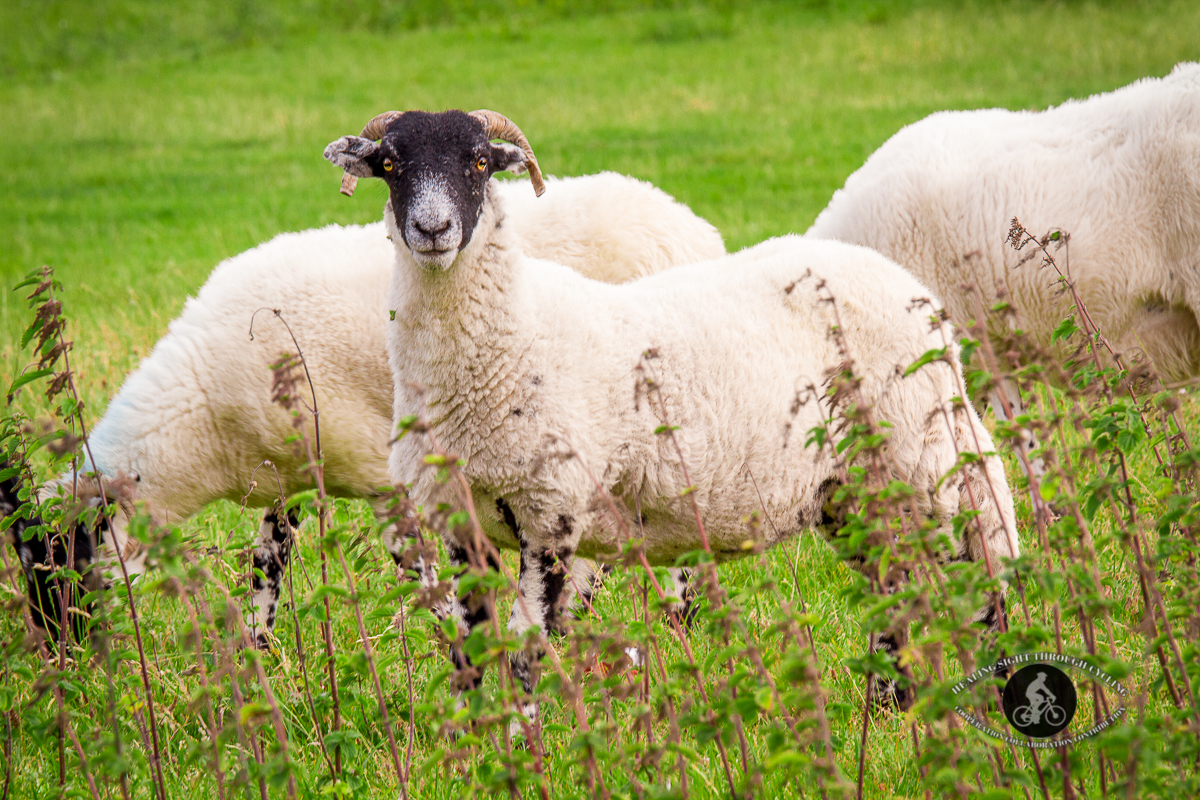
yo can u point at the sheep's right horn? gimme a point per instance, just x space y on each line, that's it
498 126
377 127
373 130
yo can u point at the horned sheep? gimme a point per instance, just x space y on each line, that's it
537 377
196 420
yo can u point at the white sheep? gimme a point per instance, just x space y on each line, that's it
1119 171
195 421
536 376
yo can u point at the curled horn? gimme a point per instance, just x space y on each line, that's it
373 130
377 127
498 126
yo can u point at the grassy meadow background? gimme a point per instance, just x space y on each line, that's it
145 143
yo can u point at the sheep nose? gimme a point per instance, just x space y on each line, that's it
432 229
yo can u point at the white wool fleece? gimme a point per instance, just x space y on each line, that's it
520 361
1119 171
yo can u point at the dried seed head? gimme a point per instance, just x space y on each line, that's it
286 376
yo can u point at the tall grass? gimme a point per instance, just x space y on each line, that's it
753 699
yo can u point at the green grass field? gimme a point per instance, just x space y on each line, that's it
144 145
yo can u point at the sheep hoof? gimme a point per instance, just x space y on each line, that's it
886 695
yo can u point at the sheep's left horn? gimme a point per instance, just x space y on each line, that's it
498 126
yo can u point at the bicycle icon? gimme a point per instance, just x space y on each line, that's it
1039 700
1028 716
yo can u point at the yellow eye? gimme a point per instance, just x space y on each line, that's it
481 164
388 165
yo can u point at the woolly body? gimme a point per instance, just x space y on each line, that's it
1119 171
520 360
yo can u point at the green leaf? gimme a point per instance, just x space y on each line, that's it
31 332
928 357
1048 488
30 280
467 583
764 698
28 377
1065 330
475 645
818 436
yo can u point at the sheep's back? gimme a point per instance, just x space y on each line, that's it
195 418
608 226
1120 172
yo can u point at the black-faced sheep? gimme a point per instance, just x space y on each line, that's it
529 372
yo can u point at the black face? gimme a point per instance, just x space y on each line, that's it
437 167
43 554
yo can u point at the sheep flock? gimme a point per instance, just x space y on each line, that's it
549 342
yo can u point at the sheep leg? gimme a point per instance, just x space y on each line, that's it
926 456
587 578
470 611
545 590
398 543
885 691
276 534
994 618
684 595
411 551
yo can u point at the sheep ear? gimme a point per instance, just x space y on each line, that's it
355 155
509 157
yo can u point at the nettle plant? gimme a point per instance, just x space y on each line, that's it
766 685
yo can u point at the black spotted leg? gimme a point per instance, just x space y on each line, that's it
547 586
276 535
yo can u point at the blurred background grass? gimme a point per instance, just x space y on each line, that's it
144 142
